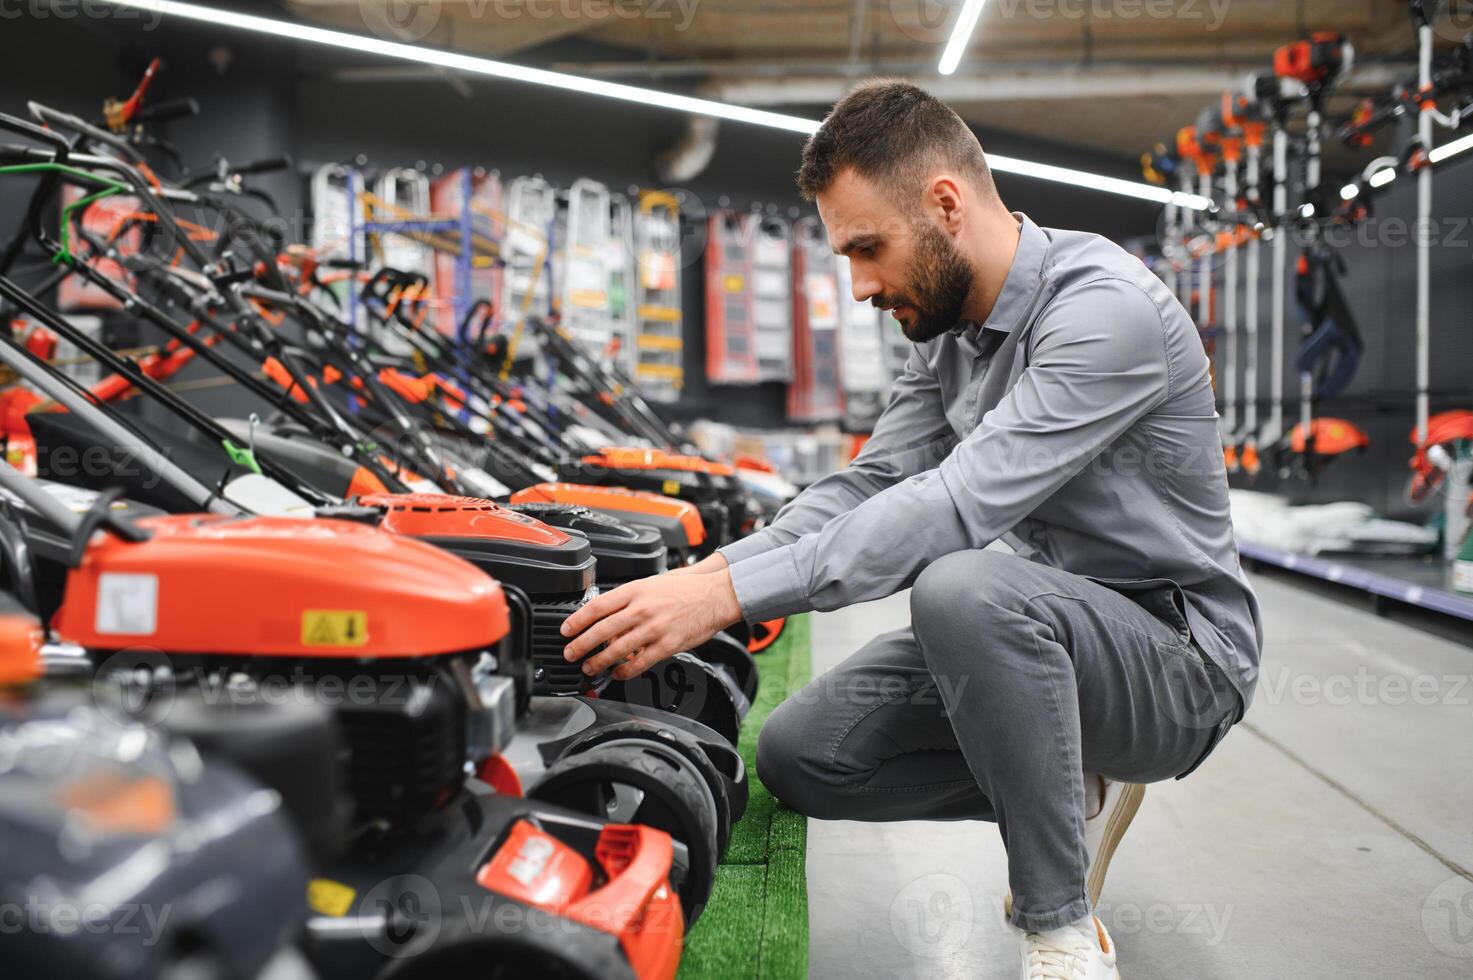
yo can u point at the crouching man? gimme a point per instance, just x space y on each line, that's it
1058 397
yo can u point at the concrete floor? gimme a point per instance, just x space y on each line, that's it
1330 835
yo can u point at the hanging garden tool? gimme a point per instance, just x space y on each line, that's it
1247 114
1331 348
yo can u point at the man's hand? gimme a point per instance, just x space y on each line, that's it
646 621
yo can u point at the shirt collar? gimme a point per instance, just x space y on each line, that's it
1017 288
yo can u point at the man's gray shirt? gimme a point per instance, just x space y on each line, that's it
1078 423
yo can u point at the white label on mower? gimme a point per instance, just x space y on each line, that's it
263 495
531 861
127 603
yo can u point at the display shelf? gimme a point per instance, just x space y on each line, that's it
1422 582
460 228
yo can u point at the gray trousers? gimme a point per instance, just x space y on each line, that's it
1014 679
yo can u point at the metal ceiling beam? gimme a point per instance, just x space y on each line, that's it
840 67
1055 82
1014 85
856 37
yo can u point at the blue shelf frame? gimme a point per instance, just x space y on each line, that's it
1356 577
462 224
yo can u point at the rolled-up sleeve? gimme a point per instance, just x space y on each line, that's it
910 436
1097 364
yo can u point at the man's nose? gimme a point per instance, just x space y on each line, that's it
863 284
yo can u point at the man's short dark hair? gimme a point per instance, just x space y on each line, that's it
893 134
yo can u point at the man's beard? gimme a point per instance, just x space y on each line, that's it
938 282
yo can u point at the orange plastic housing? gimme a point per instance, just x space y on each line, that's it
625 458
443 515
365 481
636 904
275 586
618 498
760 464
20 647
1451 426
765 634
1312 60
1331 437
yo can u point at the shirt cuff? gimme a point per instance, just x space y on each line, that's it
767 586
749 547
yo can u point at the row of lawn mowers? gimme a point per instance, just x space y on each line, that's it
285 695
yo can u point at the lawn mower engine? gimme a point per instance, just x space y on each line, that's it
553 569
623 552
677 521
402 640
726 508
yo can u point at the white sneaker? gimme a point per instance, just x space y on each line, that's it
1079 951
1102 833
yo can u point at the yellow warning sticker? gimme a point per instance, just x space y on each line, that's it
334 627
328 897
672 488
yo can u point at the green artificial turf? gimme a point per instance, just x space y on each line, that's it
756 924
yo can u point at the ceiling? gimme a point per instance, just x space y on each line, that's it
1109 75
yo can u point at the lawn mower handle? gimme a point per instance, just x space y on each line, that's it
39 133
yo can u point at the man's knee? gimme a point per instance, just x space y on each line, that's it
791 761
965 597
782 748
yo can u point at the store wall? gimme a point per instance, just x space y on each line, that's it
517 129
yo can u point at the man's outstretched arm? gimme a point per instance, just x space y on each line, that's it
910 437
1097 364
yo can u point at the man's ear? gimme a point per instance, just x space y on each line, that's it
944 200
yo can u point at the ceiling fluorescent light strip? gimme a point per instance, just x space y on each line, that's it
961 35
628 93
